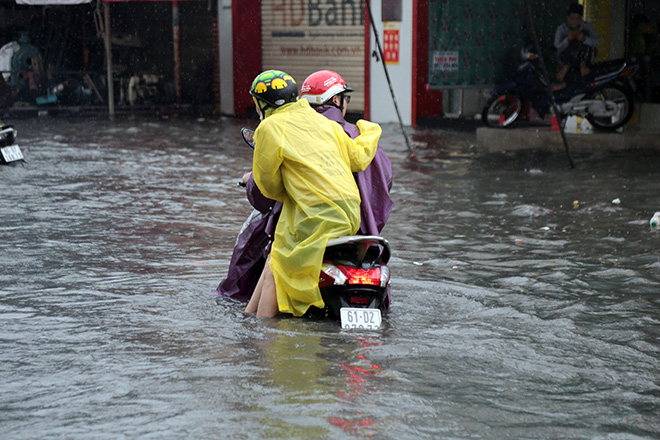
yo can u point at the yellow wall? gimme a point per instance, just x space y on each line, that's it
599 14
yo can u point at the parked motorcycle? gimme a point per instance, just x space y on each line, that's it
603 97
9 153
354 278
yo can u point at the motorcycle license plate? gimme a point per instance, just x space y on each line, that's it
360 318
11 153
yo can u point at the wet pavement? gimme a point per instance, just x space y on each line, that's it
525 295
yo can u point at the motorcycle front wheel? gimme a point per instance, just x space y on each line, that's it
618 104
502 111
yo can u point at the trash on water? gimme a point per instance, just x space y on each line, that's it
572 125
616 201
655 221
578 125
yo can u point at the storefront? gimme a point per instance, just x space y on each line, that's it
162 53
303 36
206 52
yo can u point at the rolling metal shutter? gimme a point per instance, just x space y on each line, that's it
300 37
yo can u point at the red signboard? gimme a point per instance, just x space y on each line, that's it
391 45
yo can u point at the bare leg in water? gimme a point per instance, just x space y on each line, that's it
264 298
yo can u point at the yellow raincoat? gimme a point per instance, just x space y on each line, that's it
306 161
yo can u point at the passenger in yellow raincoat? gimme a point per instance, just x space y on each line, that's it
306 161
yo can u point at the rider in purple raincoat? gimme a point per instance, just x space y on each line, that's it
326 92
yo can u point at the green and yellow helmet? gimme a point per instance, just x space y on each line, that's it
275 88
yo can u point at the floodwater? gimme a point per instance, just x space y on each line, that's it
526 303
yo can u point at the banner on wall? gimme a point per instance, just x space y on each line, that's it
478 42
303 36
391 42
445 61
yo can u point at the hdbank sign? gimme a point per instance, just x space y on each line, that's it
303 36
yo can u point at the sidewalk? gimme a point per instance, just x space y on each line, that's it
491 140
642 133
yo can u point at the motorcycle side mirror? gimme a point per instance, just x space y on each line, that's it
248 136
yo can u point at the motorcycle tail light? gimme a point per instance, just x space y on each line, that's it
626 73
361 300
355 275
330 274
384 276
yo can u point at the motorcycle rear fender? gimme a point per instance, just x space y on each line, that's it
362 250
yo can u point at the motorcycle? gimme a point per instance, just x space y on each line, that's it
354 278
603 97
9 153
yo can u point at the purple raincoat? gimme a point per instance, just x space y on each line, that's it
374 183
253 243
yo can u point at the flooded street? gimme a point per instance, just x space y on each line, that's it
526 301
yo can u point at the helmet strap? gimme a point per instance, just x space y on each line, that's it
341 101
261 105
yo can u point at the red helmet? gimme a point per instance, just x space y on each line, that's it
321 86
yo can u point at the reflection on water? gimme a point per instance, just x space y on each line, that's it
524 300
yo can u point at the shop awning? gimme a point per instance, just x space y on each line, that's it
77 2
51 2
